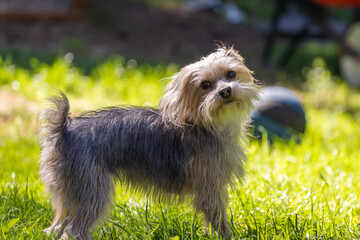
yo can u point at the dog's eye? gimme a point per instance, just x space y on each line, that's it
231 74
205 85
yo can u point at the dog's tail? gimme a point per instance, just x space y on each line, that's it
53 121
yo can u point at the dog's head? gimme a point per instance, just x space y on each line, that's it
214 91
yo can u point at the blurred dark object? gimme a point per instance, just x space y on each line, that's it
280 114
299 20
231 12
43 9
350 66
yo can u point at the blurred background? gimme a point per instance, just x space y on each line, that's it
277 38
305 53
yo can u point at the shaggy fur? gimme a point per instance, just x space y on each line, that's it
191 147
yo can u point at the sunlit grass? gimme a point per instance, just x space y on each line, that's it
292 191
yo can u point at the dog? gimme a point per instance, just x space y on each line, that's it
191 147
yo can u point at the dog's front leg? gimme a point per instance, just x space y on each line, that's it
212 202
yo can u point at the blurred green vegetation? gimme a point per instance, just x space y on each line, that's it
114 78
292 191
304 56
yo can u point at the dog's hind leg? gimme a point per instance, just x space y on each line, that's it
58 224
88 201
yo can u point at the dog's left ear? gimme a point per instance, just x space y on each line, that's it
229 51
233 53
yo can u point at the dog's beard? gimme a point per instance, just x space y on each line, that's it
215 111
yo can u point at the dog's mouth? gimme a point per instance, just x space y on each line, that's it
229 101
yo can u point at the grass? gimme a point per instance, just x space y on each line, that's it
292 191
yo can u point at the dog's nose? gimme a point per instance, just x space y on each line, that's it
225 92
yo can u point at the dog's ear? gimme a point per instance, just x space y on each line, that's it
178 104
188 105
172 103
235 54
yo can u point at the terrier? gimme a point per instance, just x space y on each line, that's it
191 147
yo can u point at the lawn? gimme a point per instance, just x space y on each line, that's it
308 190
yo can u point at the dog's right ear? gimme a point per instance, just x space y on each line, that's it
174 103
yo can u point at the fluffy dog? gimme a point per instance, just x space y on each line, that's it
189 148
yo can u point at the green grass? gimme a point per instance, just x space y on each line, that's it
292 191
